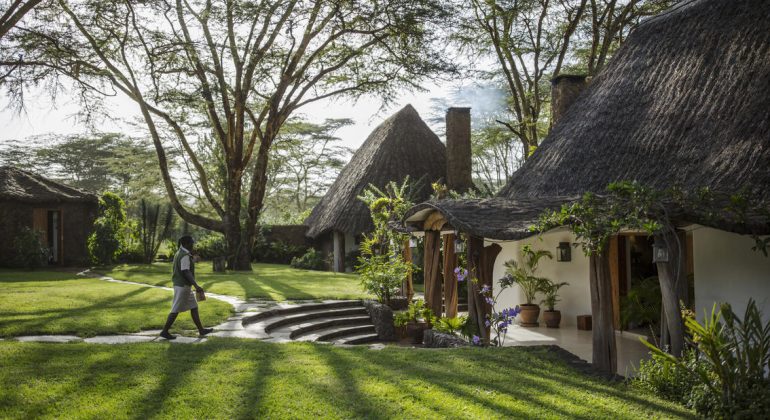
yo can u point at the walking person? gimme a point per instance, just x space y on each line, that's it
183 278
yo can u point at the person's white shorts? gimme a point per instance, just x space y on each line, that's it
184 299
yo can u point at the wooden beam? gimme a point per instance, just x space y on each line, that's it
408 287
604 352
434 221
431 271
615 281
672 275
450 281
481 262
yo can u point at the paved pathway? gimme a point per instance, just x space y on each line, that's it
232 327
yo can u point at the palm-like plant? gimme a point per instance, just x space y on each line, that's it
523 273
551 292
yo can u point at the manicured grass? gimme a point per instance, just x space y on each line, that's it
267 281
228 378
40 302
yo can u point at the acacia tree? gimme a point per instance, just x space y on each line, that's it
234 70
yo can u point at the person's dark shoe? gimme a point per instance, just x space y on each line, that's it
167 335
205 331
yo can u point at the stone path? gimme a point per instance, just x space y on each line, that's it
338 322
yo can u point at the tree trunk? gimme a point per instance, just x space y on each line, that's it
432 273
450 281
407 289
339 252
477 308
673 287
604 347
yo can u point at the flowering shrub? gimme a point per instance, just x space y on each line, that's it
461 274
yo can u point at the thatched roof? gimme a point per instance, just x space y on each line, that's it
684 102
22 186
401 146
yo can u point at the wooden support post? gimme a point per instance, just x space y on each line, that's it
672 275
407 290
450 281
431 271
339 252
615 283
476 310
604 352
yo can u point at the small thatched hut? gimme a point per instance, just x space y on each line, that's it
61 215
403 145
684 103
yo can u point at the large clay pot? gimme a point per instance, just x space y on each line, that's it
415 331
529 314
552 319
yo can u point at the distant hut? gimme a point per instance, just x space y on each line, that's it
684 102
62 216
403 145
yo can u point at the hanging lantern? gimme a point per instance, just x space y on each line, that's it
459 246
659 253
564 252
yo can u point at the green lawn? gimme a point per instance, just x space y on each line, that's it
229 378
40 302
267 281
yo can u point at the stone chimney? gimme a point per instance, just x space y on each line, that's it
565 88
459 175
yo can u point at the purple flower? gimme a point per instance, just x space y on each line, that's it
461 273
476 340
487 323
490 300
485 289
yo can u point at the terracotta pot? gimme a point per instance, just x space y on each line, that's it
552 319
529 314
401 332
415 330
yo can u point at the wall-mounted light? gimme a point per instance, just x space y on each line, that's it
412 242
459 246
659 253
564 252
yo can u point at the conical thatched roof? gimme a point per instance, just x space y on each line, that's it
685 102
401 146
26 187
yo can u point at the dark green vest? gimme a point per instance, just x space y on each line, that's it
177 278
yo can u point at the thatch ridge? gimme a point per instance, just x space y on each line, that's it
403 145
684 102
26 187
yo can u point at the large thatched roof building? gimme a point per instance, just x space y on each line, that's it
683 102
403 145
62 216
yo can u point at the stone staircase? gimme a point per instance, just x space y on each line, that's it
339 322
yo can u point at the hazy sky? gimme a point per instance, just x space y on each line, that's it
42 118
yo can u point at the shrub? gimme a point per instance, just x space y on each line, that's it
132 255
450 325
732 372
211 247
311 260
29 252
276 252
107 238
669 380
382 276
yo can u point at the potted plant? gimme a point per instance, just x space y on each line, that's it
400 319
418 320
551 316
522 272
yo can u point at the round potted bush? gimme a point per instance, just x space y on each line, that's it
522 272
418 320
551 316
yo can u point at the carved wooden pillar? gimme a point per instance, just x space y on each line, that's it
605 356
407 289
431 270
672 275
450 281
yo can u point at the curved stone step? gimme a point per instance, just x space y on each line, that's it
304 317
294 309
337 333
296 331
358 339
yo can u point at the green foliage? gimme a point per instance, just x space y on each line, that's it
523 273
28 250
277 252
417 311
154 227
401 318
311 260
132 254
671 381
450 325
642 303
551 292
211 246
381 265
733 369
108 237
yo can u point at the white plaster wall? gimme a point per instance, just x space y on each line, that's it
575 298
726 269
